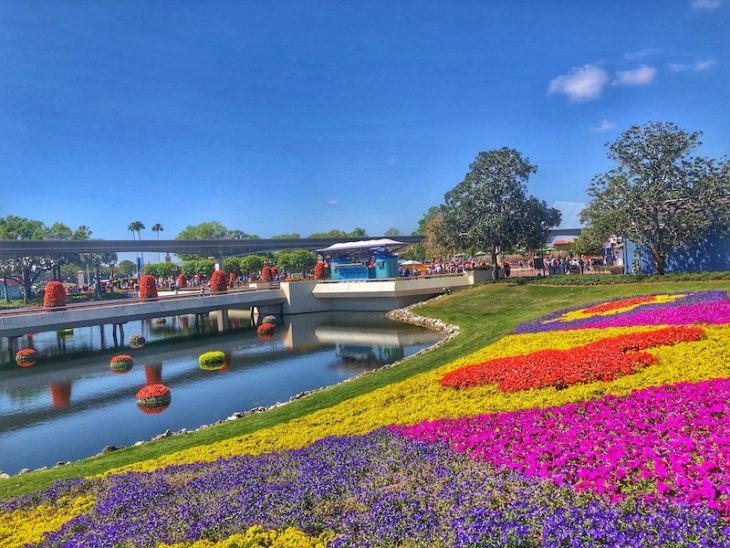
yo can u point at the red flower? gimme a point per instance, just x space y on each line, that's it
121 363
607 307
147 287
319 271
182 281
55 295
266 274
603 360
26 357
153 398
218 282
265 329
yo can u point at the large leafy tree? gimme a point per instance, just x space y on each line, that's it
659 195
490 209
287 236
210 230
299 260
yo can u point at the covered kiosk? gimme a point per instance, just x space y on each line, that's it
363 260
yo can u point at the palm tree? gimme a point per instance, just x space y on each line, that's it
137 226
158 228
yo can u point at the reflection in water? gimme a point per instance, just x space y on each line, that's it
306 352
60 394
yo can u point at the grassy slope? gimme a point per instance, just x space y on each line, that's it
484 314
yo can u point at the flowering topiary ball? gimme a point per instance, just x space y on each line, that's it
55 295
218 283
266 274
182 281
147 287
137 341
319 271
212 361
265 330
121 363
26 357
153 398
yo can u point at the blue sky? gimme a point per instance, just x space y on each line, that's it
276 117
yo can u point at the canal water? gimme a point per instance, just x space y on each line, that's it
71 404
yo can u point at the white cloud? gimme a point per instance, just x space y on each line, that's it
706 5
697 67
640 54
637 77
332 202
580 84
605 125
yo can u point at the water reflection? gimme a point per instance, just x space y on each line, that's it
67 402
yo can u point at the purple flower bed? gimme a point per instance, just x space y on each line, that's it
374 490
646 314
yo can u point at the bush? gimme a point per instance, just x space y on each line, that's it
212 361
182 281
137 341
121 363
218 283
319 271
153 398
266 330
147 287
266 273
55 295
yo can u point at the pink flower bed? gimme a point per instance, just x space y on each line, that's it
707 313
670 442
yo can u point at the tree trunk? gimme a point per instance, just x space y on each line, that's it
26 284
495 266
659 260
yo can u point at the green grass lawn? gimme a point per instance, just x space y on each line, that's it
485 314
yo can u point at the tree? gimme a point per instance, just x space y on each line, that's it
138 227
126 268
334 233
232 264
392 232
590 242
97 260
358 232
29 269
210 230
290 236
157 228
251 263
658 195
299 260
490 208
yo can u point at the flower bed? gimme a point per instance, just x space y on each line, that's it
26 357
212 361
153 398
54 295
137 341
121 363
599 425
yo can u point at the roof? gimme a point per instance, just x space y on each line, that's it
363 244
570 212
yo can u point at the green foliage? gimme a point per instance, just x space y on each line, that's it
204 267
658 195
590 242
126 268
210 230
392 232
232 264
490 208
297 261
336 233
285 236
251 263
161 270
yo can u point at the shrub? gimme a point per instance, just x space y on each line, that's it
147 287
266 273
266 330
212 361
26 357
121 363
182 281
218 282
55 295
137 341
319 271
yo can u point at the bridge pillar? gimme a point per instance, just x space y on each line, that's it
222 318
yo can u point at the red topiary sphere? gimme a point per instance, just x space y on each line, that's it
26 357
319 270
266 274
147 287
231 279
182 281
274 270
218 282
265 330
153 398
55 295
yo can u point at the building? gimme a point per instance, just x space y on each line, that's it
15 289
712 253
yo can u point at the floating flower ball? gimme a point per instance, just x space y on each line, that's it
55 295
64 333
265 330
273 320
153 398
26 357
147 287
137 341
212 361
218 282
121 363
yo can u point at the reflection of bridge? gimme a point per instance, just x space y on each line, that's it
205 248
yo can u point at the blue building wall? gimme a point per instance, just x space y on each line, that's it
713 253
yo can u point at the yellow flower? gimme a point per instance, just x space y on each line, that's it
258 537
